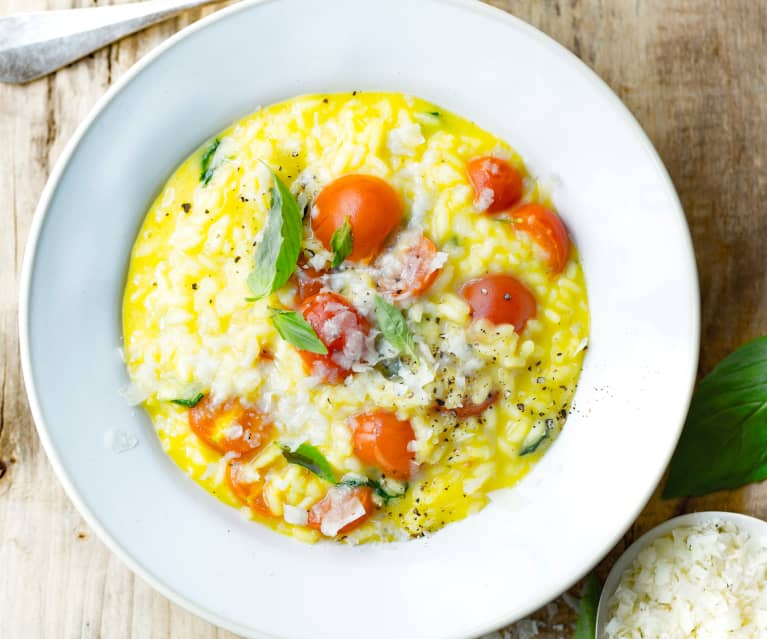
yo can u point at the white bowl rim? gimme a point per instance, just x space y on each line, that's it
744 522
53 181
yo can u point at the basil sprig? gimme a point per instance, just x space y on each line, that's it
277 252
394 327
189 403
586 626
293 328
311 458
724 441
341 243
206 173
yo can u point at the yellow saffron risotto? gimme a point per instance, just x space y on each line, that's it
471 399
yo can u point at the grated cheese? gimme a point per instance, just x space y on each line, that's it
696 582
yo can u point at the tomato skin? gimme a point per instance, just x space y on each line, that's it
307 280
501 299
470 409
503 181
210 422
251 493
380 439
343 331
547 230
373 207
339 497
418 272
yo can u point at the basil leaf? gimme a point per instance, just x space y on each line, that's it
189 403
385 492
341 243
538 434
293 328
312 459
394 327
207 160
586 627
277 252
724 441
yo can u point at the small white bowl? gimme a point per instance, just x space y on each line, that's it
752 525
614 195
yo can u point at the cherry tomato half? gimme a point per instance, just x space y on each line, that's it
342 509
372 206
413 271
380 439
229 426
497 184
501 299
546 229
248 488
470 409
343 331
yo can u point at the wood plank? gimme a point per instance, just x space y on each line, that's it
693 72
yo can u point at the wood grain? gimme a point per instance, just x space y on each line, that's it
693 72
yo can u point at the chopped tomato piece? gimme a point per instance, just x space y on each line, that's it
497 184
501 299
547 230
248 487
341 329
372 206
380 439
307 280
342 509
410 269
229 426
470 409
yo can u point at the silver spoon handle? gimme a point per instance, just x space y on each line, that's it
35 44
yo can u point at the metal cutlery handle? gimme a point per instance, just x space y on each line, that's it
35 44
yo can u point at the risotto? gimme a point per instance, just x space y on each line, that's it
353 316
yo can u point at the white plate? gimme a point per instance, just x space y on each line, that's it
752 525
613 193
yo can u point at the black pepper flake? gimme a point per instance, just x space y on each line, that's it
294 154
194 286
506 296
237 259
354 93
540 380
243 198
186 206
324 100
521 407
207 212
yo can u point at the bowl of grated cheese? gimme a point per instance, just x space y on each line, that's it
699 576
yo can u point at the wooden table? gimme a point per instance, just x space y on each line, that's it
694 72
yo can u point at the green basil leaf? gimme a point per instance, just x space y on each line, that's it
586 627
312 459
189 403
724 441
387 492
538 434
207 162
277 252
341 243
394 327
293 328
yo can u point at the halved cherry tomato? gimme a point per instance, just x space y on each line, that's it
470 409
250 490
502 299
497 184
380 439
373 207
307 280
546 229
413 270
343 331
342 509
229 426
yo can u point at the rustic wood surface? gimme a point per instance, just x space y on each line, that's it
694 72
